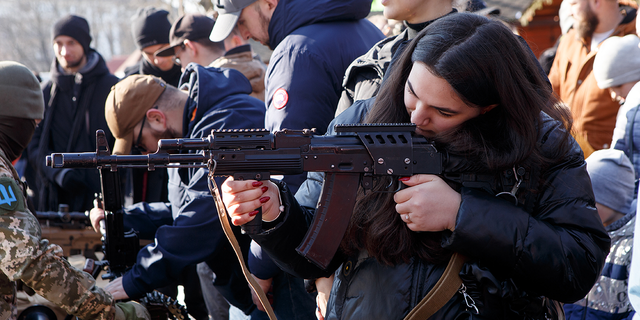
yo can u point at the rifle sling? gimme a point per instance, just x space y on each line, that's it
223 216
441 293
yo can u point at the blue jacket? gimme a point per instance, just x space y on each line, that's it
314 42
608 298
218 99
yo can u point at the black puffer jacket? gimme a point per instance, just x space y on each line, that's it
557 250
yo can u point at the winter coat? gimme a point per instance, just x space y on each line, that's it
314 41
510 266
629 126
364 75
608 298
218 99
242 59
74 110
594 113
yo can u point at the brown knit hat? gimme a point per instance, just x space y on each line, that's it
20 93
126 105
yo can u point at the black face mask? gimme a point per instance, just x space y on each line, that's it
15 134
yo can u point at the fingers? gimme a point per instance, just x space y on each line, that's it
418 179
96 215
242 198
405 194
116 289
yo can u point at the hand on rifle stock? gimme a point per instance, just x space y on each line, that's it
242 198
96 215
116 289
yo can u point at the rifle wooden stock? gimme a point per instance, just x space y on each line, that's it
350 159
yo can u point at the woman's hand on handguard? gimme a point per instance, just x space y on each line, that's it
429 204
242 198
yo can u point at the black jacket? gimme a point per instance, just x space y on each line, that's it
556 250
74 110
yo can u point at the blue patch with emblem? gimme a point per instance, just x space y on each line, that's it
10 195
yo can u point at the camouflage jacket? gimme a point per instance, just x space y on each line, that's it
25 256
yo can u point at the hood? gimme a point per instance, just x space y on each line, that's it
96 67
218 83
290 15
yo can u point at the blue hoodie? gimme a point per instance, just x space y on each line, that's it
314 42
218 99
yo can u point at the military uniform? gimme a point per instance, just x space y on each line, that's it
25 256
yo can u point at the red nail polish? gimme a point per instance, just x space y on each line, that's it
256 183
404 178
264 189
264 199
253 213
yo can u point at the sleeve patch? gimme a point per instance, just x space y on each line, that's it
10 196
280 98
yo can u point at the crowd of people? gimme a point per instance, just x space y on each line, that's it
533 219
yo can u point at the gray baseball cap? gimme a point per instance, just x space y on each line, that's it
228 13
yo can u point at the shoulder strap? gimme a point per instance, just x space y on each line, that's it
445 288
223 215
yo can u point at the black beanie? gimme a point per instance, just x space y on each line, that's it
74 27
150 26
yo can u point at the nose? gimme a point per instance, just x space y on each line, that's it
63 50
420 116
244 32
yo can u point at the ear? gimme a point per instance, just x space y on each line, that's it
236 41
486 109
271 4
157 119
192 46
596 4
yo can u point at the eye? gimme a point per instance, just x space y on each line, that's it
444 113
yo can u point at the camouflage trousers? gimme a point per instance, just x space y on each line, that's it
7 298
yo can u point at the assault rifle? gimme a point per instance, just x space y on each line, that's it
354 157
120 246
70 230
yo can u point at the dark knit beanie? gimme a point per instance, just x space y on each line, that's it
20 93
150 26
74 27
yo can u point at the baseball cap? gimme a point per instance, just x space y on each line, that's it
188 27
228 13
127 104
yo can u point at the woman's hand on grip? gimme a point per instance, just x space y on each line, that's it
429 204
242 199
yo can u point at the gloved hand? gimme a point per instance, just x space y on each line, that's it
131 310
73 181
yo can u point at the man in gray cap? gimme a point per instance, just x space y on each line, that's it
74 100
25 256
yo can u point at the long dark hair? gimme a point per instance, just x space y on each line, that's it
486 64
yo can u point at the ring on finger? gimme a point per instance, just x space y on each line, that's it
406 218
